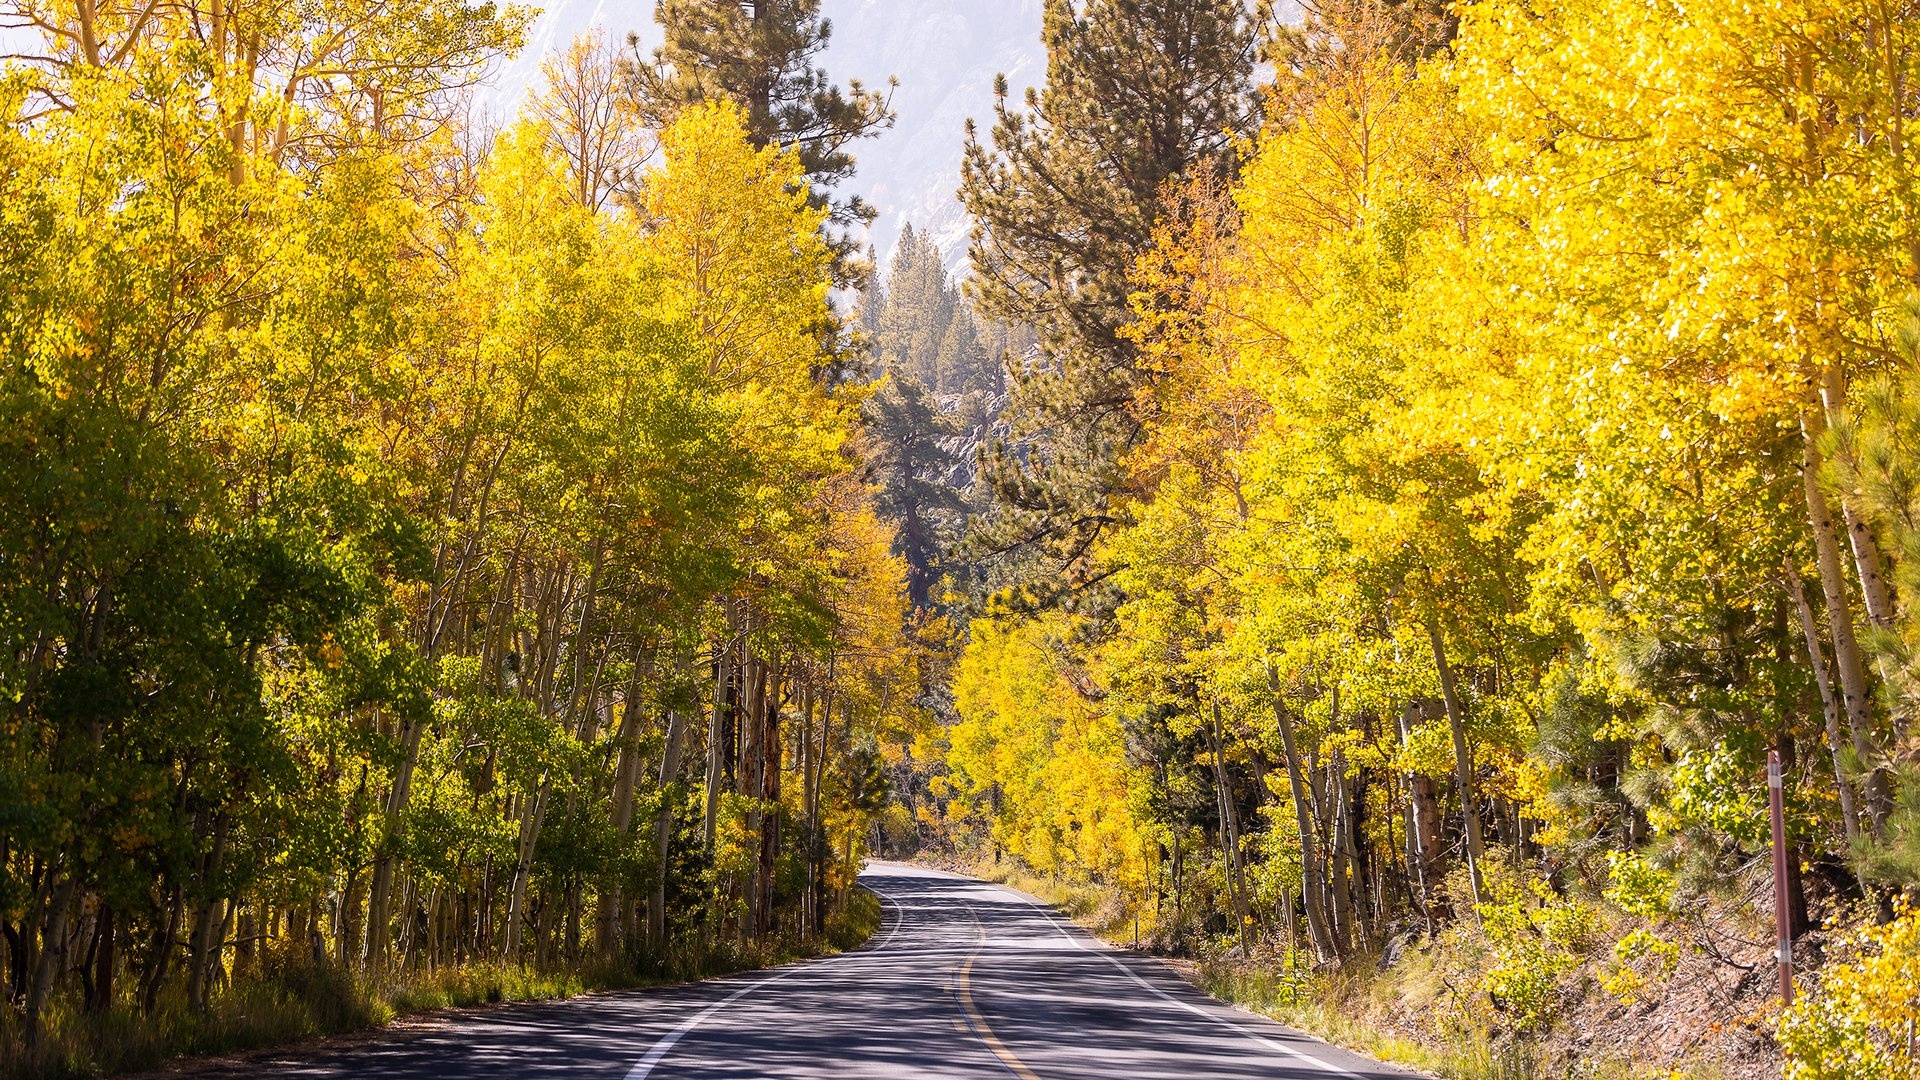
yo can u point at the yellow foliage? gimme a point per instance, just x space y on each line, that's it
1857 1022
1044 766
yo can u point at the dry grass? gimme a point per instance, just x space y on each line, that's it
1412 1014
287 1002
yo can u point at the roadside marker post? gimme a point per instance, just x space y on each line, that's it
1782 921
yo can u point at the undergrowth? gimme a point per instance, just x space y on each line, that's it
286 1002
1526 943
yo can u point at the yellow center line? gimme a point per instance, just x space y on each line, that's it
979 1022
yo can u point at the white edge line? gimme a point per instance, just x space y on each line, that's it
641 1070
1107 955
645 1066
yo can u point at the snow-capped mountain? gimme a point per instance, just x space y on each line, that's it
944 52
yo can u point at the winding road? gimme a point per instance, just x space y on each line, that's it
963 980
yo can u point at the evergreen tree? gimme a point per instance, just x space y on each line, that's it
761 54
962 364
943 393
908 460
919 310
1065 198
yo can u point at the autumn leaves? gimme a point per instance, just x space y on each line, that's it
390 506
1520 458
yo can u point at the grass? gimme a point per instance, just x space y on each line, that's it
1356 1006
286 1002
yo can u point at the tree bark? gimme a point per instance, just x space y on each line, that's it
769 797
380 891
53 951
1352 802
716 723
819 851
1855 697
749 780
1462 758
104 962
161 952
1425 856
205 945
1314 889
531 817
1229 829
1866 553
626 779
1829 708
663 826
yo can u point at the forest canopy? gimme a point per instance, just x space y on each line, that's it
428 550
1371 496
1423 516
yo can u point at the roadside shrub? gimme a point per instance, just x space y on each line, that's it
1858 1021
1643 960
1536 938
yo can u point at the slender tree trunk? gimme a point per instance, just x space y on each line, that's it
1338 865
104 962
1866 553
1179 891
805 755
1855 697
575 909
663 826
162 952
1352 800
534 812
51 961
820 851
1229 830
1314 889
625 780
1829 708
1462 758
380 890
1423 827
483 909
205 946
769 794
1866 562
716 723
748 781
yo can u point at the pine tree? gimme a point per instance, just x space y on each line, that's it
909 463
761 54
919 309
924 427
1139 94
962 363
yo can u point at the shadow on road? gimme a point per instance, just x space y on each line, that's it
963 980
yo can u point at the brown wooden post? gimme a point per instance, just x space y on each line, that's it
1782 916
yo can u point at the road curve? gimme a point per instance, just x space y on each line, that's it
963 980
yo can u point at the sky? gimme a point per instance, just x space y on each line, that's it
945 54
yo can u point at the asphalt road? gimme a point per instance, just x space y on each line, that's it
963 980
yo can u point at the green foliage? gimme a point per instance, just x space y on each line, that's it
395 527
1638 887
1858 1020
1065 194
1536 938
761 58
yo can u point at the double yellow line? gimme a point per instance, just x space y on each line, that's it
979 1022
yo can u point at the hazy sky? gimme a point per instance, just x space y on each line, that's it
945 53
